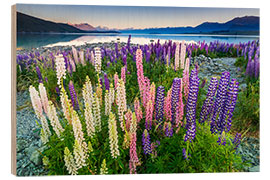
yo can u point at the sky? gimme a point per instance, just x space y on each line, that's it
138 17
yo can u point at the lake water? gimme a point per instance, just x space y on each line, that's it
28 41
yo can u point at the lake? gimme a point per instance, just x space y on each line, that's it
28 41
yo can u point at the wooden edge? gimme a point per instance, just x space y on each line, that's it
13 89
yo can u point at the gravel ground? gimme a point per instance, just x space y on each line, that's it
29 161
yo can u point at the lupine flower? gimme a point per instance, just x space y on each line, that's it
107 103
180 105
60 69
106 82
111 96
66 105
191 106
121 101
39 74
97 60
69 162
43 97
149 115
168 129
36 103
225 118
52 115
152 94
99 92
89 120
71 61
237 140
87 92
138 109
186 83
160 105
209 101
113 136
220 100
75 55
81 54
73 96
96 112
168 105
182 54
128 119
115 80
146 142
123 74
79 155
176 59
146 91
175 97
184 154
103 169
140 74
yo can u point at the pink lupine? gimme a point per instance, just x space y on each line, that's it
138 110
145 91
180 109
128 118
149 115
186 79
168 107
123 74
140 74
134 161
115 80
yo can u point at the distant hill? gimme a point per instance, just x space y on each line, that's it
247 25
83 26
30 24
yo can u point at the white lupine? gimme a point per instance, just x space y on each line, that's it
121 101
111 93
97 60
69 162
43 97
176 59
92 58
87 92
182 54
52 115
75 54
36 101
79 155
60 68
107 103
66 105
103 169
89 120
96 112
113 136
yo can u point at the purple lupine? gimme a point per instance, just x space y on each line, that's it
39 74
73 96
160 105
57 91
191 106
101 82
237 140
220 99
175 97
221 140
184 154
209 101
225 117
106 82
146 142
124 59
168 129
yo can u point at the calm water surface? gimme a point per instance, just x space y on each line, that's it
28 41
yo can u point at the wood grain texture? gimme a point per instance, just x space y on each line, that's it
13 89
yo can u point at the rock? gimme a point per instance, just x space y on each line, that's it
36 158
254 169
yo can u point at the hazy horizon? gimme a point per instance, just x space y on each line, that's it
137 17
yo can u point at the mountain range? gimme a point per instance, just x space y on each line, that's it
247 25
